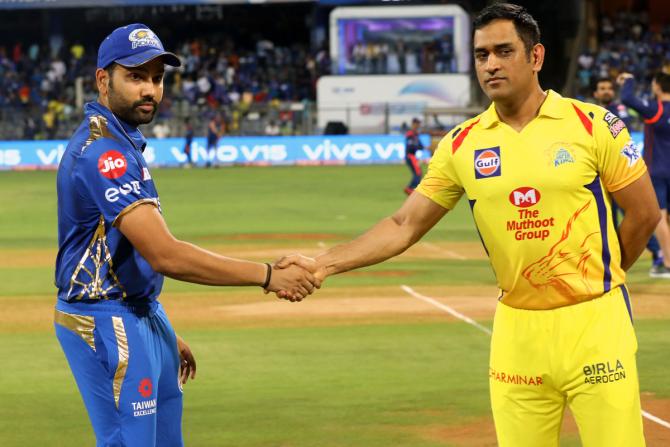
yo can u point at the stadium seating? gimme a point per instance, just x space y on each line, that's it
37 86
626 42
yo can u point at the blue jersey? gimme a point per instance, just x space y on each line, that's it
189 135
412 142
212 137
102 176
621 111
656 116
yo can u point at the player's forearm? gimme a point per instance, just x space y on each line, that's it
188 262
634 233
381 242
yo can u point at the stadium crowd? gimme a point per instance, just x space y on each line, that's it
626 43
43 86
402 57
40 85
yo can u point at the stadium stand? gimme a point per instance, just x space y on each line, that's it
254 63
38 86
626 41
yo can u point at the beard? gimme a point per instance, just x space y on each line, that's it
130 112
606 99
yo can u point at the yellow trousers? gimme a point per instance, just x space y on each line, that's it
582 356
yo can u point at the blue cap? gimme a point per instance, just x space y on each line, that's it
133 45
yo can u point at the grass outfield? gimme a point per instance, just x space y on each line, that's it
359 364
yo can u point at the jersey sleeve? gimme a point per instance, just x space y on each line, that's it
113 178
647 109
440 184
618 158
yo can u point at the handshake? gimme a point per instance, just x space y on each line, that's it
293 277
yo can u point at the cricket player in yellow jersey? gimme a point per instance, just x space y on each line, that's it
538 171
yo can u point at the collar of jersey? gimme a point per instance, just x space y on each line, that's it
130 133
552 107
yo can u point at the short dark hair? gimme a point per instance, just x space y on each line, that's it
110 68
663 81
110 72
524 23
604 79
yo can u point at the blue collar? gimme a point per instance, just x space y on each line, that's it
125 130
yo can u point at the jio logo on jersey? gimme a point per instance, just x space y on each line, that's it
487 162
112 164
524 197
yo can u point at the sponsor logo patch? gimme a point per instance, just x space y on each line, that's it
145 388
529 223
112 164
614 124
148 406
604 372
112 194
524 197
631 152
487 162
515 379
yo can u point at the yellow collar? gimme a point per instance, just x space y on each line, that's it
552 107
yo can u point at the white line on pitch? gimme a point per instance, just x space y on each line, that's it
469 320
451 253
656 419
446 308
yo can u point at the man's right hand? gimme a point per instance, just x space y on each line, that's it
293 281
302 262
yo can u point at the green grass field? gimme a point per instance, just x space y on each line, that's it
359 364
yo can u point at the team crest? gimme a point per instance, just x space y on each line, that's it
487 162
559 153
614 124
143 38
631 152
562 156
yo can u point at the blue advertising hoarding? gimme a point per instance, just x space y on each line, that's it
324 149
328 149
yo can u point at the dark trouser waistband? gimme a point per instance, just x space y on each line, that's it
148 308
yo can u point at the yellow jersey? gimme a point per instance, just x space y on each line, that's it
540 198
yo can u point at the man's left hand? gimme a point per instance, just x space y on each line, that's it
186 361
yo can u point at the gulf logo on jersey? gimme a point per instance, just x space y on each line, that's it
524 197
112 164
487 162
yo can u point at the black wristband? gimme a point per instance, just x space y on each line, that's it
268 276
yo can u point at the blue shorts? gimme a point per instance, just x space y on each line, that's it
126 364
662 188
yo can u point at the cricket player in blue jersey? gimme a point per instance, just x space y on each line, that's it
656 115
115 248
412 146
618 119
